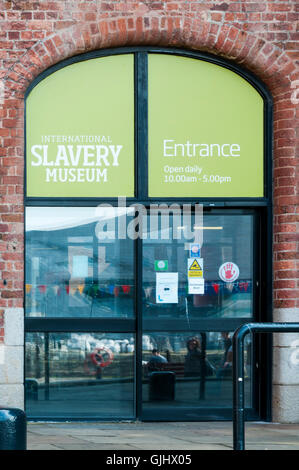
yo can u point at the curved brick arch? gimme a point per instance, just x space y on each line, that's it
270 63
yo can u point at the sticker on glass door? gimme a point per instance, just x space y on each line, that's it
167 288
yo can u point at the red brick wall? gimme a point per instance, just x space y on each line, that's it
260 35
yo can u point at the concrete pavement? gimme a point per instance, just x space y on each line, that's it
136 436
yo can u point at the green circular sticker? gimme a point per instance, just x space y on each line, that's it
161 264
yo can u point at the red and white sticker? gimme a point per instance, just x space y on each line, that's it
229 272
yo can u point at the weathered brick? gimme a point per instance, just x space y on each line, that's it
285 284
281 303
288 294
287 274
284 247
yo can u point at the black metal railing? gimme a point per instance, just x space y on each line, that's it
238 372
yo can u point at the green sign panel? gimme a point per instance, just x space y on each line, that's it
205 131
161 265
80 130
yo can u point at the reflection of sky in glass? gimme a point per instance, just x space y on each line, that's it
53 218
69 271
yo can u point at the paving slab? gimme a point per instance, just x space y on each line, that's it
271 447
91 446
183 447
43 447
127 440
159 436
55 440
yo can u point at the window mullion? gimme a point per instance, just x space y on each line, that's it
141 124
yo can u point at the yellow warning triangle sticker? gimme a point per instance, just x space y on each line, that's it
195 266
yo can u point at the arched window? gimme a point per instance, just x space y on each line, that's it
148 194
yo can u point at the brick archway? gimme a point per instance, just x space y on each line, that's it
270 63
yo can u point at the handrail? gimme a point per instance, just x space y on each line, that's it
238 372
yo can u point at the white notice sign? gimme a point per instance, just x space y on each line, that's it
196 286
167 288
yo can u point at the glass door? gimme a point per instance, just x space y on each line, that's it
114 329
186 342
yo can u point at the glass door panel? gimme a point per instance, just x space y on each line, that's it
186 347
71 375
196 371
228 241
76 265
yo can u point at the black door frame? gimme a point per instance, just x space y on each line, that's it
262 206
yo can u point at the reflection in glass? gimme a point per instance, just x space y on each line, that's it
226 238
201 363
75 375
71 270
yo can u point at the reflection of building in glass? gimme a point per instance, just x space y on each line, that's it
69 272
75 374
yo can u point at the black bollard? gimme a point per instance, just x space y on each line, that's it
13 429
